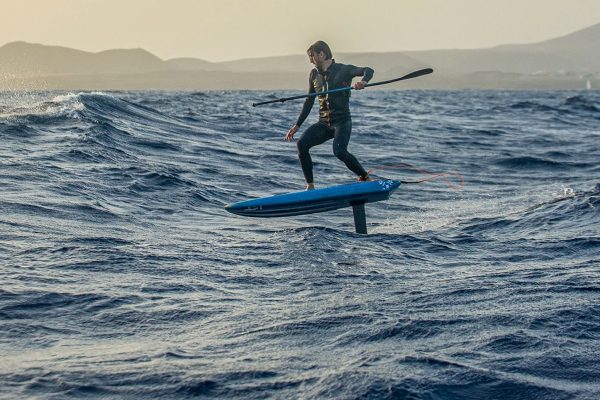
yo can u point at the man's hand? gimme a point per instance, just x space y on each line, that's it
290 134
359 85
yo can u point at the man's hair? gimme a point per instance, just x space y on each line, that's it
320 46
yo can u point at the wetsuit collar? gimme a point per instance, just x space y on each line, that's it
328 68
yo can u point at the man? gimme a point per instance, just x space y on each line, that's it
335 121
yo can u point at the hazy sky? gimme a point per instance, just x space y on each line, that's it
218 30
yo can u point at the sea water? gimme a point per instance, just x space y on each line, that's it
122 276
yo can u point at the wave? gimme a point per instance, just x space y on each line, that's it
568 211
92 107
582 103
67 106
537 163
573 106
533 106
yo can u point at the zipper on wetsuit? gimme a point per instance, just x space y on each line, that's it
327 99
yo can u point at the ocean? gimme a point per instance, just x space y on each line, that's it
124 277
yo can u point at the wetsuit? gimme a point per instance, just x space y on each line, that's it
335 121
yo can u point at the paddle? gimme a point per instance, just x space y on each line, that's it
415 74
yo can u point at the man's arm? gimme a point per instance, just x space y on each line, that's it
310 100
365 72
308 104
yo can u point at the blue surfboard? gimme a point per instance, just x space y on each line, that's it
354 195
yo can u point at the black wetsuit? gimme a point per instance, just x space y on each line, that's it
335 121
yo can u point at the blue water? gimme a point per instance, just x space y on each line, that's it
123 276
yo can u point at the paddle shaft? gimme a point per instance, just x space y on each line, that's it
415 74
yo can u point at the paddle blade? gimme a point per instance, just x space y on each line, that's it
415 74
418 73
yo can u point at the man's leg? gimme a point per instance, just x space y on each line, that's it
315 135
343 131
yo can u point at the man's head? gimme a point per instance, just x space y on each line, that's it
319 52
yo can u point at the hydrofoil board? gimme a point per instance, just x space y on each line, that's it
354 195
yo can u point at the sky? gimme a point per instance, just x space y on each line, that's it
220 30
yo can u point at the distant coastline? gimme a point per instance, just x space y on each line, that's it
567 62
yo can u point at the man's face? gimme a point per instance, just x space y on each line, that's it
316 59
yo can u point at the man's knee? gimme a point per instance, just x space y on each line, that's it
340 152
301 147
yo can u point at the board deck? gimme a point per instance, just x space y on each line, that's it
315 201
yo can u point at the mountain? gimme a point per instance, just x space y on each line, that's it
565 62
192 64
576 52
29 59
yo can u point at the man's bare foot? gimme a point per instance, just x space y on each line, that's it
309 186
365 178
